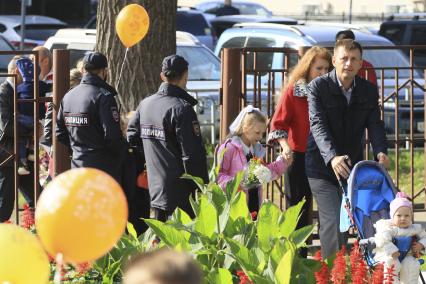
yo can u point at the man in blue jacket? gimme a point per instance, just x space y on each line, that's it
341 106
26 182
167 127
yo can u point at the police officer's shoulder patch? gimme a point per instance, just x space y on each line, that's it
196 127
115 114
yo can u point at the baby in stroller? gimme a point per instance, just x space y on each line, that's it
399 241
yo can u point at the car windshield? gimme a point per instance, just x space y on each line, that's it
203 65
39 32
251 9
389 58
4 59
192 23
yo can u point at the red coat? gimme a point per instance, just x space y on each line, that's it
291 115
371 72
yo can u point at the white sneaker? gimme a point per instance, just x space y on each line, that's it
22 171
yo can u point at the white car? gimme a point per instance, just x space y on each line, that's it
4 59
204 69
37 29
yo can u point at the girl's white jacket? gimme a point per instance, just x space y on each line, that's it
386 231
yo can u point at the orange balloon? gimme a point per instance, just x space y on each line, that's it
132 24
82 213
23 259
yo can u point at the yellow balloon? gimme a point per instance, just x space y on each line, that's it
82 213
132 24
23 259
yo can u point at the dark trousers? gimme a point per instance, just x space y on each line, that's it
7 195
328 197
297 188
164 215
139 207
137 198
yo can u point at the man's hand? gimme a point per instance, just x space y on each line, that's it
340 165
384 160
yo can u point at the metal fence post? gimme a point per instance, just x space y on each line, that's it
230 90
61 84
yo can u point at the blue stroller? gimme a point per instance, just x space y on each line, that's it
369 192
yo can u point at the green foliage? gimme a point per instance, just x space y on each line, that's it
109 267
224 239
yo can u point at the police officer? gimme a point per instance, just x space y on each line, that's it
89 121
167 126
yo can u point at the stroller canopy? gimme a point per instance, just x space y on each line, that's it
370 191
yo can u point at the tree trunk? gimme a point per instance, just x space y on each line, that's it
141 72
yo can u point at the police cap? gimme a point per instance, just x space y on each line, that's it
174 66
94 61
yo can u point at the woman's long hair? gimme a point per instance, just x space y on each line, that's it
301 70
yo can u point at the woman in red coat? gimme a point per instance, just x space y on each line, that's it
290 126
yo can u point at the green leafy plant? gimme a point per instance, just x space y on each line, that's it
224 239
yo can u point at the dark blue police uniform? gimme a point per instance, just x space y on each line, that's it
167 126
89 122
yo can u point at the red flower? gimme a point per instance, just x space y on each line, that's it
358 266
243 277
51 258
82 268
27 217
377 277
253 215
155 242
338 273
389 275
322 275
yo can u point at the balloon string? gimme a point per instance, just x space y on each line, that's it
59 268
121 69
119 78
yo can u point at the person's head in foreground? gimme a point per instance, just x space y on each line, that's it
401 211
163 266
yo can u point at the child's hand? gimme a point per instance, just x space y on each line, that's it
396 254
286 152
416 247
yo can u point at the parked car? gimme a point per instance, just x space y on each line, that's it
245 7
222 23
407 29
204 69
37 29
187 20
194 22
296 36
78 41
4 59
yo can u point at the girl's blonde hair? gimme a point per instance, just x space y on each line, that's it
75 77
301 70
249 120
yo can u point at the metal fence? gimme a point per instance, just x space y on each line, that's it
60 86
401 91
